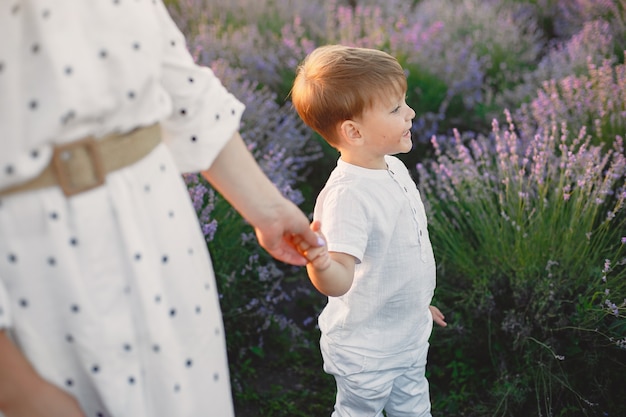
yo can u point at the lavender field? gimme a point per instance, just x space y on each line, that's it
519 155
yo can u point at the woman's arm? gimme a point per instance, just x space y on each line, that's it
276 220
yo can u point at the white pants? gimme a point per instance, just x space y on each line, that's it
401 391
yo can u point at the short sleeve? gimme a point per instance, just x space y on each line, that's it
205 115
344 221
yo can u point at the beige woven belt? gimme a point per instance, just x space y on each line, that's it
82 165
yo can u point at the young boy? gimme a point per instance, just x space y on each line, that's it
377 268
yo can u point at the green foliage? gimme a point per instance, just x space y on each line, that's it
260 300
522 227
427 91
504 37
268 311
530 239
297 385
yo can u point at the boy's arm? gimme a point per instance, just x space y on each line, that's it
331 273
335 278
23 393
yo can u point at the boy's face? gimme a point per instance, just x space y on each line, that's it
386 127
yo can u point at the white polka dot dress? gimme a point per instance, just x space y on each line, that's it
110 293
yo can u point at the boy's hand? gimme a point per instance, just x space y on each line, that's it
317 256
438 316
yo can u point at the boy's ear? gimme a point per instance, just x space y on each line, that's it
349 130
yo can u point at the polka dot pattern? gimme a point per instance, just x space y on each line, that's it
130 320
116 282
107 83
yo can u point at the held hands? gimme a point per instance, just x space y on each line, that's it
285 233
316 255
331 273
277 221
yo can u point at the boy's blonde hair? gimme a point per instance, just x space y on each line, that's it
336 83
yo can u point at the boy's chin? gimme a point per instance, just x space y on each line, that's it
407 149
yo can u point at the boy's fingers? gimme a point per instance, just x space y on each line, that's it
305 244
311 237
301 244
316 226
311 253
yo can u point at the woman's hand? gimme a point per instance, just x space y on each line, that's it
23 393
44 400
283 234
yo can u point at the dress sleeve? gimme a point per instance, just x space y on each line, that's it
205 115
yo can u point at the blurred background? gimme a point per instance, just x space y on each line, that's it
518 153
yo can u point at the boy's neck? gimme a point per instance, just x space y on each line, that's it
364 162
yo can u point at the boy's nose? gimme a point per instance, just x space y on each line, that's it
411 112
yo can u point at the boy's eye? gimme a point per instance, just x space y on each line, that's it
396 109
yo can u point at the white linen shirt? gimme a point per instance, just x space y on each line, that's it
110 294
376 216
